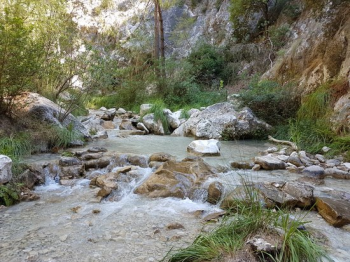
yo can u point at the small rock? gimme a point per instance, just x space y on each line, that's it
272 150
63 238
337 173
320 158
295 160
314 171
256 167
97 149
175 226
269 162
214 216
347 165
333 162
242 165
215 191
209 147
326 149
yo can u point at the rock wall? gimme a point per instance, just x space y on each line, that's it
317 48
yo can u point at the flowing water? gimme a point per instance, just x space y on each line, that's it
67 224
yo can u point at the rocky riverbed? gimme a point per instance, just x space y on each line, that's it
68 223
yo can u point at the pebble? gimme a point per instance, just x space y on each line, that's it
63 238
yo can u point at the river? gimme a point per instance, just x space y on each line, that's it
67 224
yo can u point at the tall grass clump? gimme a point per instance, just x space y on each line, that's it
15 146
247 218
157 110
311 129
62 137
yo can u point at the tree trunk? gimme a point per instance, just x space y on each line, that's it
156 30
162 41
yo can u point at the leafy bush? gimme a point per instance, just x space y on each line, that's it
208 64
278 35
9 194
271 102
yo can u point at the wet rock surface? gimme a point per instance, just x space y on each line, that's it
335 212
177 179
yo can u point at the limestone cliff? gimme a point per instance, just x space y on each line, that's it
316 48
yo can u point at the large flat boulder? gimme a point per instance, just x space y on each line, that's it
221 120
5 169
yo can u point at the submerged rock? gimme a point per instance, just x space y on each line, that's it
176 179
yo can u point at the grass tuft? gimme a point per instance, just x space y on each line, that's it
248 218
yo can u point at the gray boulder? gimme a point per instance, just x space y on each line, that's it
269 162
144 108
222 119
35 105
314 171
5 169
153 126
172 118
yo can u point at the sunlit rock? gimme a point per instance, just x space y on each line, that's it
209 147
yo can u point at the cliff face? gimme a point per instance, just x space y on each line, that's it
318 52
317 49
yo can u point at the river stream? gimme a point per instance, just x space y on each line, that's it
68 224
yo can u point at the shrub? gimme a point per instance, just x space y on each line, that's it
9 194
208 64
271 102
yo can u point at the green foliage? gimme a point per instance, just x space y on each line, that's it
241 12
9 194
15 146
271 102
157 109
278 35
16 44
311 129
63 136
67 154
208 64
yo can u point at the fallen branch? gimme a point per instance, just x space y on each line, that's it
285 142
